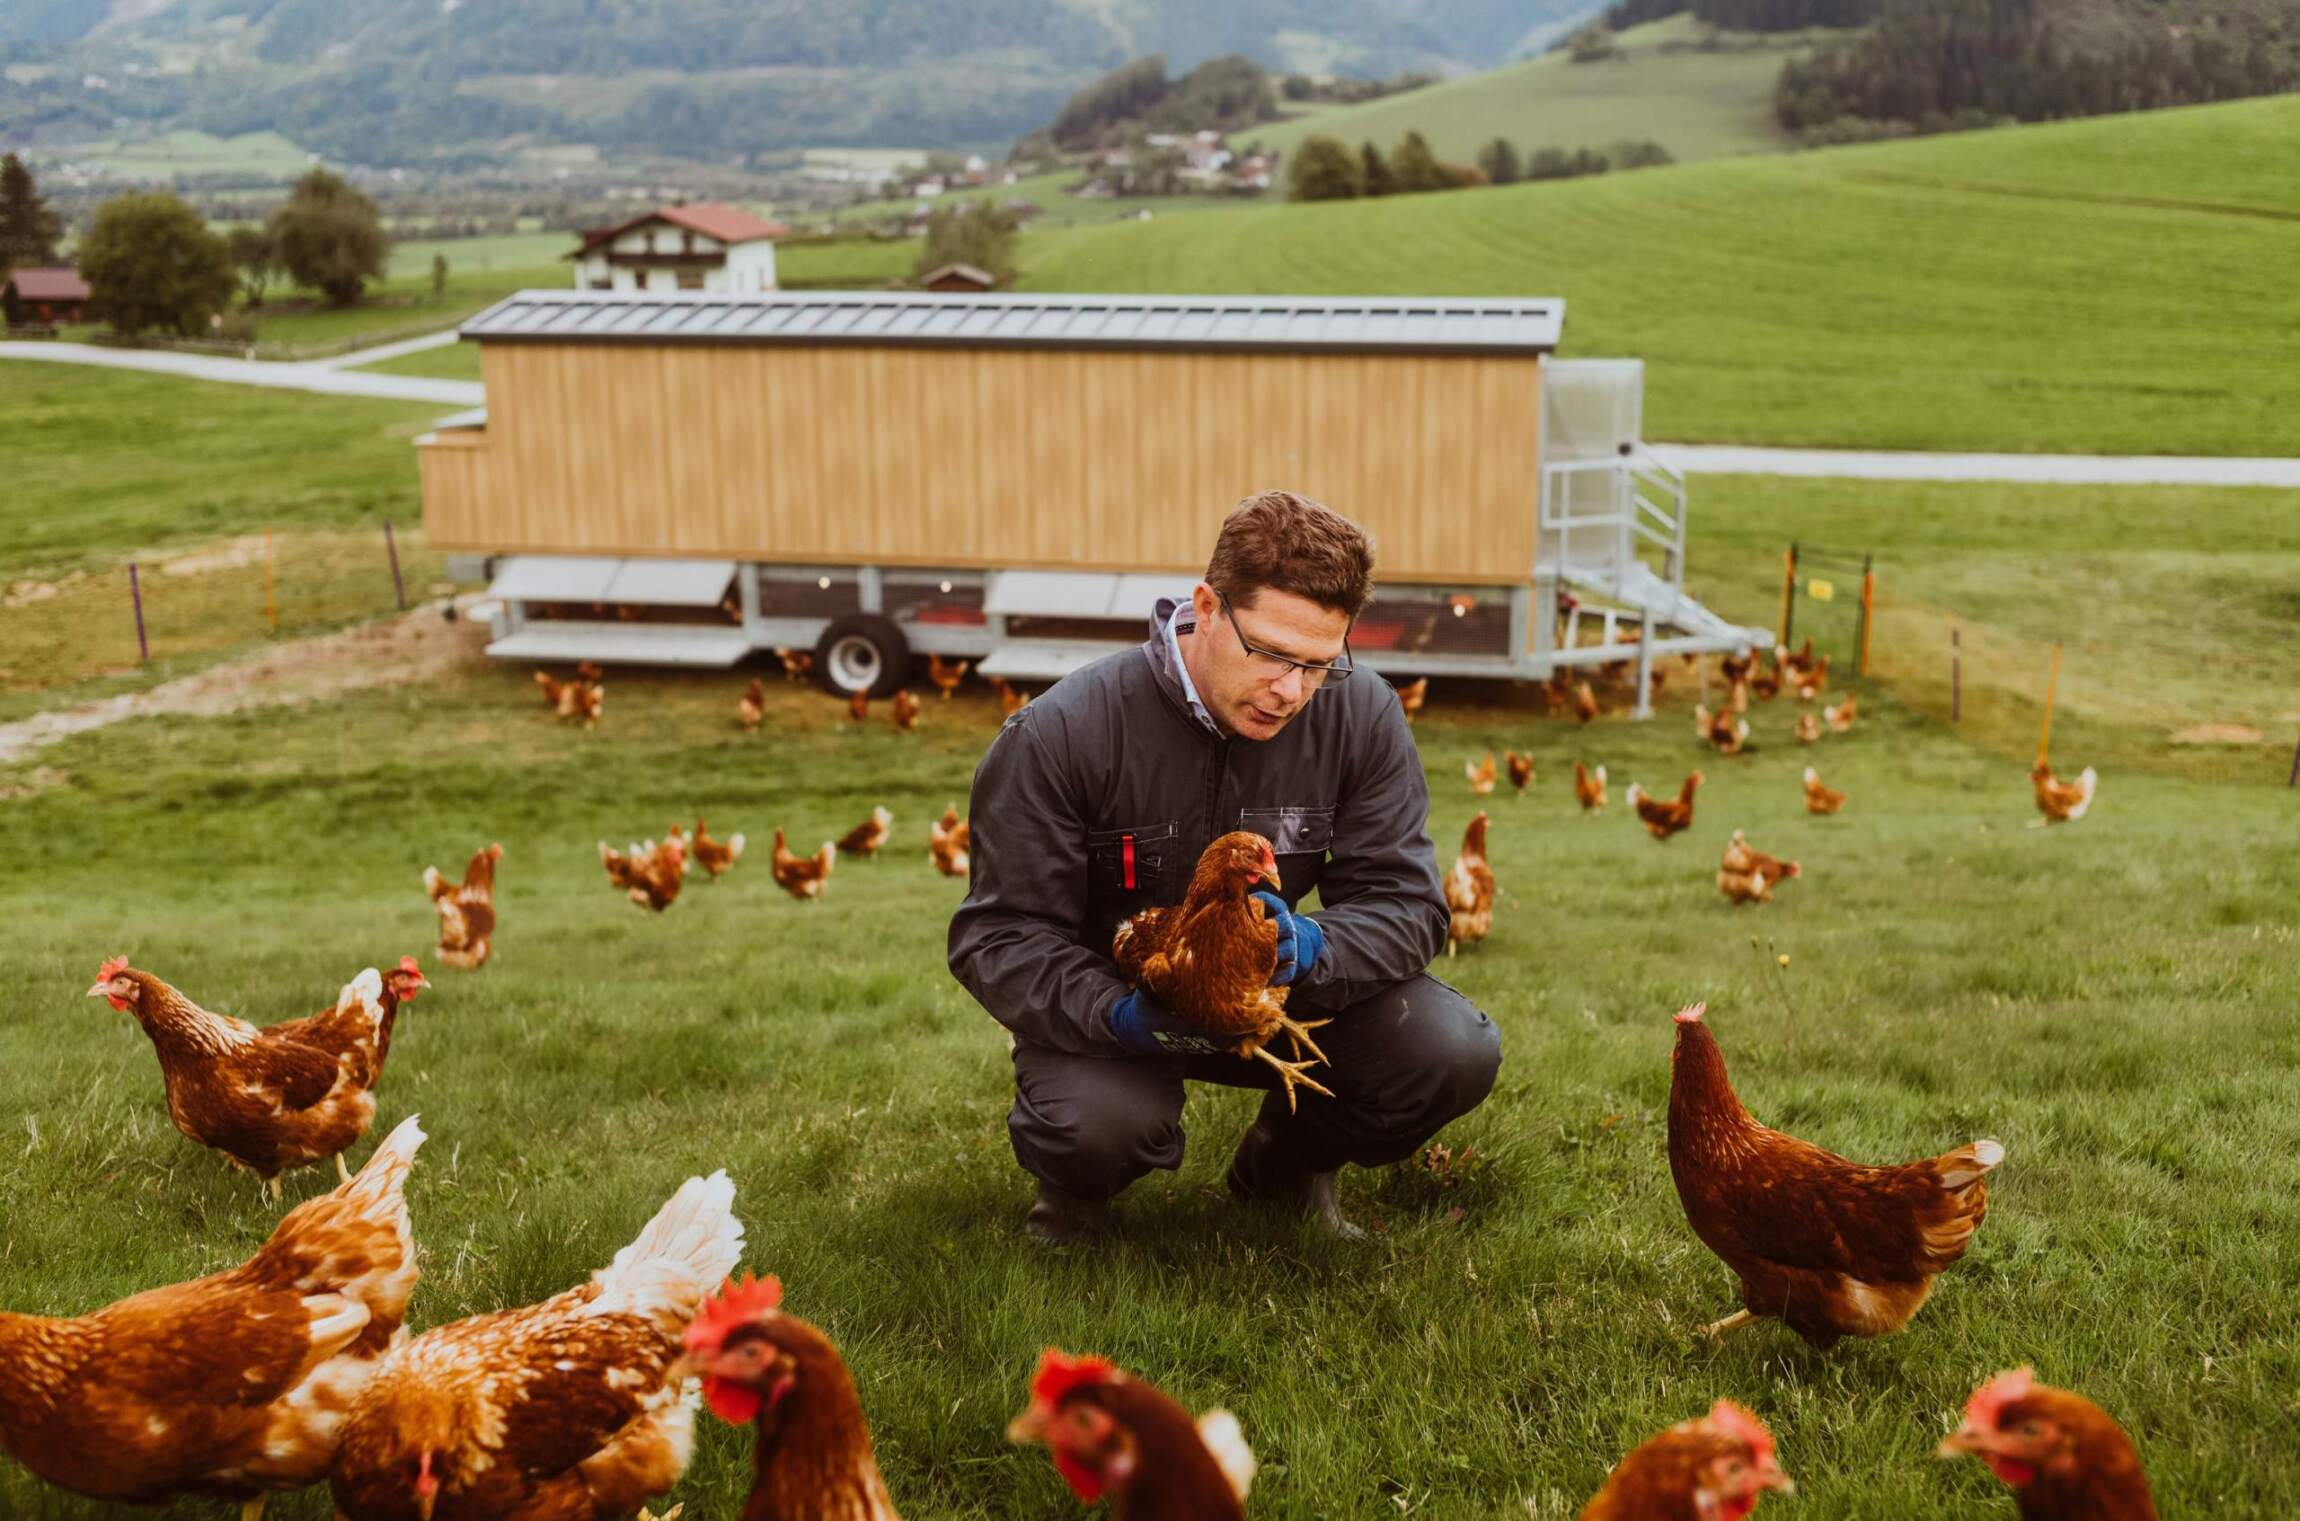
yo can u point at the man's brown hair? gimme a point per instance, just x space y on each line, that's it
1281 540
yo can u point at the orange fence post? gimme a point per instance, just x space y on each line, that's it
1868 612
2051 688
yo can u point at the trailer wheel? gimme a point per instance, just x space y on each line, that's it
862 652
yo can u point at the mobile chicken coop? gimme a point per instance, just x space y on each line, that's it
685 478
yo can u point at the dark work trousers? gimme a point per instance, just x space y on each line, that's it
1401 1063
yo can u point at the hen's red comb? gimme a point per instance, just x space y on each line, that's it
1989 1400
1059 1373
1691 1013
408 964
112 969
1733 1421
738 1303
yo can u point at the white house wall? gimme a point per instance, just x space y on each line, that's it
749 267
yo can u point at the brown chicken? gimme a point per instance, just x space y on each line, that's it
1663 818
751 707
231 1385
1412 695
716 857
1469 889
811 1453
1808 729
1829 1246
1589 787
1820 799
949 842
1721 730
866 837
2063 802
582 696
798 665
803 876
1840 718
1714 1469
567 1410
271 1099
858 705
904 714
1793 668
1117 1437
1010 701
1208 959
590 702
1584 702
1813 679
1520 770
1763 684
650 875
466 910
946 674
2063 1456
1481 775
1749 876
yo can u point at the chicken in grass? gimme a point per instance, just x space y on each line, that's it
1481 775
1813 678
798 665
1713 1469
1808 729
946 674
751 707
1114 1436
1584 702
1208 959
858 705
1010 701
1520 770
1763 684
234 1385
1469 889
803 876
948 843
1721 731
716 857
904 714
1589 788
650 875
1820 799
569 1410
272 1099
2062 1455
1663 817
866 837
582 696
466 910
1412 695
2063 802
810 1448
1831 1247
1749 876
1840 718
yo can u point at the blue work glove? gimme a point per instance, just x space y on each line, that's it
1300 941
1140 1023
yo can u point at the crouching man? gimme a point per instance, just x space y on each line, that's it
1241 711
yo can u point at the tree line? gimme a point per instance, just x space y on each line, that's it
1224 94
1323 168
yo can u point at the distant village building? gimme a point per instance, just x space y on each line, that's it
44 297
703 245
961 279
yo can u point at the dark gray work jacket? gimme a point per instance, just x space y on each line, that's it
1097 799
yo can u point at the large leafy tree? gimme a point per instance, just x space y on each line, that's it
1500 162
1374 171
1323 169
978 233
327 236
252 256
28 229
152 265
1414 168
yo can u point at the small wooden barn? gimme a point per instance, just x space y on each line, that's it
44 297
1041 462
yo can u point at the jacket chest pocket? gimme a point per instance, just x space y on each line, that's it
1130 865
1292 831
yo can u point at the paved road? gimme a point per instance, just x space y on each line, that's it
341 377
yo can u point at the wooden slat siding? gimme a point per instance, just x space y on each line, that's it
957 457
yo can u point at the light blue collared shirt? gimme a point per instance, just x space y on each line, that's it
1182 667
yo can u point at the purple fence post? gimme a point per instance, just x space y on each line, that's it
2294 780
391 546
1956 675
136 591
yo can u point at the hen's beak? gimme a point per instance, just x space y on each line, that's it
1028 1427
1966 1439
100 990
1270 871
1773 1478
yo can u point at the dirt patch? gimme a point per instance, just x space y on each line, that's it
416 646
2218 734
247 549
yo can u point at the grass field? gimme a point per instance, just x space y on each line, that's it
1696 103
2111 1000
1056 206
1968 292
191 153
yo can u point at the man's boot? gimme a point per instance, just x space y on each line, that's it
1261 1174
1059 1217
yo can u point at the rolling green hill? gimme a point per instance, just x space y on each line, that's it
1696 103
1982 291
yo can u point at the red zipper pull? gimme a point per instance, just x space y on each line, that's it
1126 843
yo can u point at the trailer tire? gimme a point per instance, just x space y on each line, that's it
862 652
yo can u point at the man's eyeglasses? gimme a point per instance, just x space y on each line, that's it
1272 666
